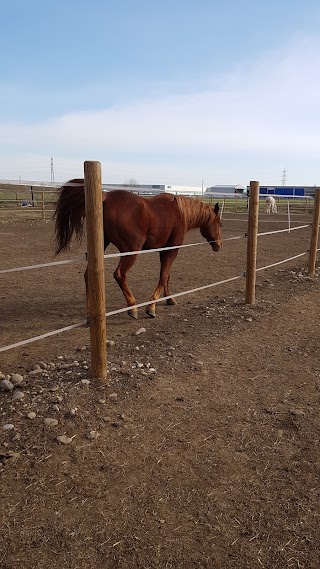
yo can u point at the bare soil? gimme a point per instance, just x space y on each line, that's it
201 451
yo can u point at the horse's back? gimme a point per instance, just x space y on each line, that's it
123 209
149 220
130 205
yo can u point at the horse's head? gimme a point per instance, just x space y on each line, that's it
212 230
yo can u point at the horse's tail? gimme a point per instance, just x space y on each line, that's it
69 214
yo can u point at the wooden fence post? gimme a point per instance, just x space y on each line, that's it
96 283
252 242
314 233
43 207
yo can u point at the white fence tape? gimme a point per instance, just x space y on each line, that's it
172 296
47 335
140 252
54 263
113 312
109 256
126 309
280 262
143 251
283 230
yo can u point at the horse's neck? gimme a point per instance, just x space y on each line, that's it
194 212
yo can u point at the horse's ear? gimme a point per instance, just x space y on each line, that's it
216 209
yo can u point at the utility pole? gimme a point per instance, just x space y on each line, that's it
284 177
52 170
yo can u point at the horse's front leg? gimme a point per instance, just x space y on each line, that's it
120 275
166 260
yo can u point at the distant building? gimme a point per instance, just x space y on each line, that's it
226 190
290 191
153 189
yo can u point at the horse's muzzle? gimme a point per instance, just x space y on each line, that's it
216 246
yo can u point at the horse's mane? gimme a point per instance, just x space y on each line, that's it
194 212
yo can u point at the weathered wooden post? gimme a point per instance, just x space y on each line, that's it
42 206
96 284
314 233
252 242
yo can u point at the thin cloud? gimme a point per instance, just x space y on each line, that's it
271 107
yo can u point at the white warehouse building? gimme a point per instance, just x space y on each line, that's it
229 191
153 189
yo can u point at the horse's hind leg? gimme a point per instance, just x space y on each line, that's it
166 259
166 292
120 274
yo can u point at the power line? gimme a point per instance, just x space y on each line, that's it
284 177
52 170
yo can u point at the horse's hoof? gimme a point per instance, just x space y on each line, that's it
151 311
133 313
171 301
88 321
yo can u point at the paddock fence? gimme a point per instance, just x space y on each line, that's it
95 258
21 202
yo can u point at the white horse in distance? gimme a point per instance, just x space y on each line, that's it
271 206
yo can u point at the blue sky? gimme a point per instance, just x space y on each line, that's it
175 91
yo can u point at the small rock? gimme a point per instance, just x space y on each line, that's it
93 435
6 385
43 365
51 422
73 411
8 427
16 379
56 408
36 371
63 439
140 331
10 454
297 412
248 319
31 415
102 401
113 396
85 381
2 376
17 395
110 343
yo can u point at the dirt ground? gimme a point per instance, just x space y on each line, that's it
201 451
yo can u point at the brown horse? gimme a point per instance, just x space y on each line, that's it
133 223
